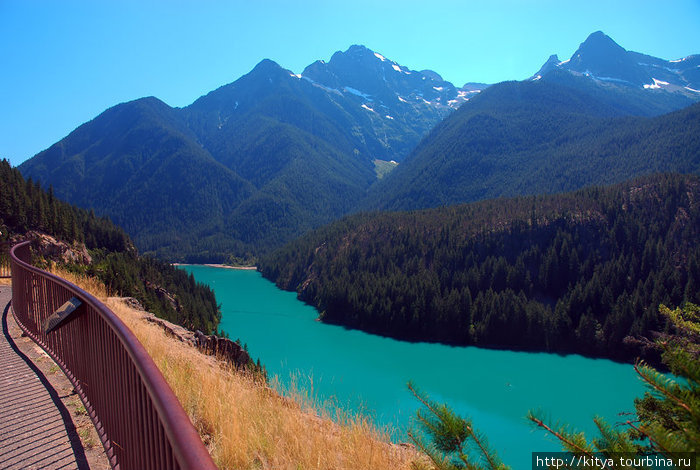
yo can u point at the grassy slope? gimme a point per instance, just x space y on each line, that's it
383 167
247 425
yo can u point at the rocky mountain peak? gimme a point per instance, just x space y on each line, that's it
601 59
548 66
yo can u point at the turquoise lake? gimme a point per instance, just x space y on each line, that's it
364 372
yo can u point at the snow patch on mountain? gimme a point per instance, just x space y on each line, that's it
656 85
323 87
357 93
589 74
465 93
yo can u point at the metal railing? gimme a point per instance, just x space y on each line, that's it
139 420
5 269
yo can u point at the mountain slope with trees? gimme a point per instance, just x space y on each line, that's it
576 272
250 165
162 289
138 163
520 138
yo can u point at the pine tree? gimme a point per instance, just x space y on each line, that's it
455 444
667 422
668 417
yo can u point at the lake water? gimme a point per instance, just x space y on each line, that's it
365 372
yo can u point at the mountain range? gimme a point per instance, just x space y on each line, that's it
259 161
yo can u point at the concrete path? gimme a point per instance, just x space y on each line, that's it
36 429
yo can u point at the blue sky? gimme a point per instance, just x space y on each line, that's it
64 62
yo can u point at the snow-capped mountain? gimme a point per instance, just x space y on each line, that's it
253 163
604 61
360 101
375 79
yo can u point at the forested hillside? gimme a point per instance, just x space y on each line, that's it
161 288
576 272
522 138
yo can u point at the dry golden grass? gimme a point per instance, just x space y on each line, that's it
247 425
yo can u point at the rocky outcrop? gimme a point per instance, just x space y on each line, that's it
171 329
132 303
58 250
221 348
224 348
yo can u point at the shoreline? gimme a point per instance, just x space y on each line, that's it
223 266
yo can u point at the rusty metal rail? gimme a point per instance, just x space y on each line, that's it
139 420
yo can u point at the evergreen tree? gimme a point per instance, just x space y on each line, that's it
454 442
667 422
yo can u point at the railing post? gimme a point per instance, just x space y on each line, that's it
5 266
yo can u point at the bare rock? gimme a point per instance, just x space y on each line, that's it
133 303
171 329
59 250
224 348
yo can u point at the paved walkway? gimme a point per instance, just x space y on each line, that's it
36 430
